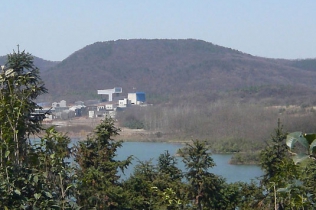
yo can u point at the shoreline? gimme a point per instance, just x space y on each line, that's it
81 129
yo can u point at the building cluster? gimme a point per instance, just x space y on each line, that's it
93 108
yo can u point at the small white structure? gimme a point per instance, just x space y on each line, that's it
109 106
111 114
91 114
110 92
100 107
74 108
123 103
62 103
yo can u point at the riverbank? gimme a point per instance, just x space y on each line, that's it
80 128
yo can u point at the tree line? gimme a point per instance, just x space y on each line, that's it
229 126
48 173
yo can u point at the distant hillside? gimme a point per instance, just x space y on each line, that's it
177 71
308 64
42 64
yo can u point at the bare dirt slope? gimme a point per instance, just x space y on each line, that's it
83 126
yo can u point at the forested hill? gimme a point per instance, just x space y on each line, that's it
179 71
42 64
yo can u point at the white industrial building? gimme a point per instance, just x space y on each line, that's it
136 98
110 92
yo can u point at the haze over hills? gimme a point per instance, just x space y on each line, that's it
177 71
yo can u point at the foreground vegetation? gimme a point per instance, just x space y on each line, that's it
48 174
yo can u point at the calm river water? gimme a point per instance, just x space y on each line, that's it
144 151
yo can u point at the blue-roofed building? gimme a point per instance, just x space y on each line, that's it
137 98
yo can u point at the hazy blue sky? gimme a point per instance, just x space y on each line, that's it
54 29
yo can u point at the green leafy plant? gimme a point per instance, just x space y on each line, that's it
307 140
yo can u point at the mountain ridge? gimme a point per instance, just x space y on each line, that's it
183 70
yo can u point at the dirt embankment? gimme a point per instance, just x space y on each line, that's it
83 126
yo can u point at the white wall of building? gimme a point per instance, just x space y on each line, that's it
132 98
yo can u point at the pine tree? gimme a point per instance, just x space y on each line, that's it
204 186
20 86
279 169
33 175
98 179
